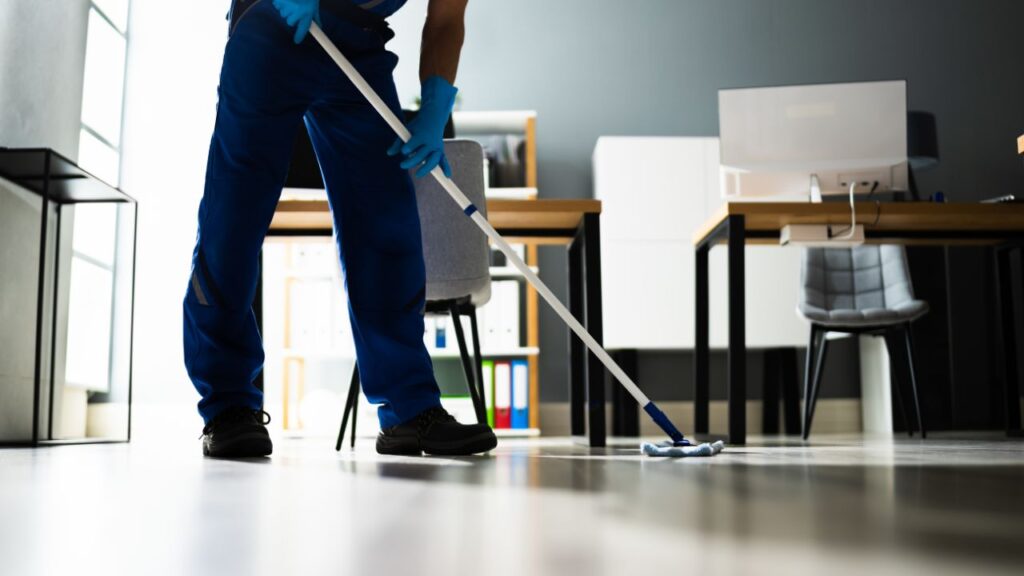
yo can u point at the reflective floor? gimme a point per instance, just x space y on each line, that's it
842 505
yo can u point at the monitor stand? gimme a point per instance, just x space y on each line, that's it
815 194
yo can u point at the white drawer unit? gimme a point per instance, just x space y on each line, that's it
656 191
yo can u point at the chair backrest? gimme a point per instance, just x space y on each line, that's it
862 278
455 251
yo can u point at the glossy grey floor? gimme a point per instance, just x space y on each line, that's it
845 505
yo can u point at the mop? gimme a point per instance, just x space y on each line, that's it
677 446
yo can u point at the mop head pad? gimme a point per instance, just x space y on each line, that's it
669 449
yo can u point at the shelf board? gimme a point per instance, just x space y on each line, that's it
500 272
485 122
517 432
434 353
314 353
510 193
502 353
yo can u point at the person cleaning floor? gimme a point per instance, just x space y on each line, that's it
273 79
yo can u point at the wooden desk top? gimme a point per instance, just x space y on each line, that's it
545 216
878 219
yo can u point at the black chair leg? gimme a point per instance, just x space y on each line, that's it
355 410
809 402
478 356
350 401
467 366
896 376
812 348
913 378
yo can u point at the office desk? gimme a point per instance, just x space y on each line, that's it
573 223
737 224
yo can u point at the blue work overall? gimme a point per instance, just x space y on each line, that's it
269 87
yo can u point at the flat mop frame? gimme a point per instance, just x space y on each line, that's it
471 211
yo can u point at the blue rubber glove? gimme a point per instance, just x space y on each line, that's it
299 13
425 149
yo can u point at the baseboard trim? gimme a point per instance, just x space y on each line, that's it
831 416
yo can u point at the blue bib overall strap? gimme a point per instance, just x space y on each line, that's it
362 15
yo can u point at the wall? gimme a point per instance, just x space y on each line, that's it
42 62
42 57
595 67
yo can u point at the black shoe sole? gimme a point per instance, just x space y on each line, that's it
474 445
409 446
251 445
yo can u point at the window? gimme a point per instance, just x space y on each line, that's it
99 148
95 226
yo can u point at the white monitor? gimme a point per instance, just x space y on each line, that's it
792 141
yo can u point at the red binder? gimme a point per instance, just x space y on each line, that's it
502 395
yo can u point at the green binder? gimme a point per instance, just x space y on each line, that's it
488 366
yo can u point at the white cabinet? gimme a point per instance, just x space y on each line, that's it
656 192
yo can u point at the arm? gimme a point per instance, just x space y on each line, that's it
443 34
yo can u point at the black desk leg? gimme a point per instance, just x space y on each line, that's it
770 375
1007 314
596 426
701 374
625 410
577 354
737 332
790 392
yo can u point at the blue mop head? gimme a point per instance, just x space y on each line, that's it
678 446
671 449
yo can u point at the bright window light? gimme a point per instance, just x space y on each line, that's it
89 314
99 159
116 10
95 232
104 79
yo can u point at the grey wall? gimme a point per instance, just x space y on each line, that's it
42 57
653 67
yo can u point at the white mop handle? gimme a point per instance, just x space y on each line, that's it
463 202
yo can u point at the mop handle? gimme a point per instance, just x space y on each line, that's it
474 214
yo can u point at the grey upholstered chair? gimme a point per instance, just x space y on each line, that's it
457 259
862 290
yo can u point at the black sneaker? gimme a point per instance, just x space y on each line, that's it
434 431
238 433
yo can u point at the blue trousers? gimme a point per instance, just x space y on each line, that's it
268 88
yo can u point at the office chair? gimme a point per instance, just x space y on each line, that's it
862 290
457 258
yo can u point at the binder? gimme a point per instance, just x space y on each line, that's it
510 315
520 395
488 381
502 395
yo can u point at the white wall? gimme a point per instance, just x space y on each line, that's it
42 57
42 62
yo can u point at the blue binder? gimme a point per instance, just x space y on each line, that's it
520 394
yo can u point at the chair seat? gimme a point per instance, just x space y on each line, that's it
478 290
905 312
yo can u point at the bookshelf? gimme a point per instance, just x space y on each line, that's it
519 182
304 346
